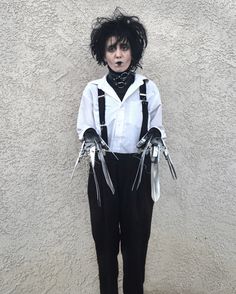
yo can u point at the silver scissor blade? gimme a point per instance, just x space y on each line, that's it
105 169
172 169
155 182
104 144
136 176
76 163
140 166
92 153
96 186
170 164
81 154
106 173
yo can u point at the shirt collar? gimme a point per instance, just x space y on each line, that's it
105 86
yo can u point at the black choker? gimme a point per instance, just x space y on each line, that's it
120 80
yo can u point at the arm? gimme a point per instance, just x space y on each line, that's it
155 109
85 119
156 130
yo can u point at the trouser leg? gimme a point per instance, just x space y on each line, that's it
135 222
105 230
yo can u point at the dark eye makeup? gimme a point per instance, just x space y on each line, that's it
123 46
111 48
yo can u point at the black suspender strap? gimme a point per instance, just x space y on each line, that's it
143 98
101 107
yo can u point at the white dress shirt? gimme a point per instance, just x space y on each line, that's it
123 118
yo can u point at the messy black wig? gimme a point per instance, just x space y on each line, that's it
124 28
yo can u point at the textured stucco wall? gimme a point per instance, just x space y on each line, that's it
45 241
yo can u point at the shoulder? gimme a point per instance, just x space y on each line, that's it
151 85
148 81
153 94
93 85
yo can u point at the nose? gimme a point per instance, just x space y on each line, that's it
118 52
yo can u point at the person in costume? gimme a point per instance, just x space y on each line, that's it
116 112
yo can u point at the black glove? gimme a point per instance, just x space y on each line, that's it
91 137
153 133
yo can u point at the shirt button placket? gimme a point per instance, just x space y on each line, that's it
120 123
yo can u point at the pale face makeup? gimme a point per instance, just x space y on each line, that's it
117 54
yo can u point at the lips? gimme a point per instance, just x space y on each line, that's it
119 63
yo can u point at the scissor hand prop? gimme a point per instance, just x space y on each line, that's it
90 149
153 146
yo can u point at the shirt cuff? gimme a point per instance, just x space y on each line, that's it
161 130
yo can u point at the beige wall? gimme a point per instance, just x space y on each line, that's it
45 240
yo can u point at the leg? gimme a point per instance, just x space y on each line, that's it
136 214
105 231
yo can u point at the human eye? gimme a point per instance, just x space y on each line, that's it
111 48
125 46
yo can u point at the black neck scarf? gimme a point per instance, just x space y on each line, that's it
120 81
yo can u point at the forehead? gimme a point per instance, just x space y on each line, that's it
113 40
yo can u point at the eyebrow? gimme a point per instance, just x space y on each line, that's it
112 45
124 43
118 42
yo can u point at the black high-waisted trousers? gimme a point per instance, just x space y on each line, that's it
123 218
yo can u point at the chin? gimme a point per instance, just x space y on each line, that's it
120 69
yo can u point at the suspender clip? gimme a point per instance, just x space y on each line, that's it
101 96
